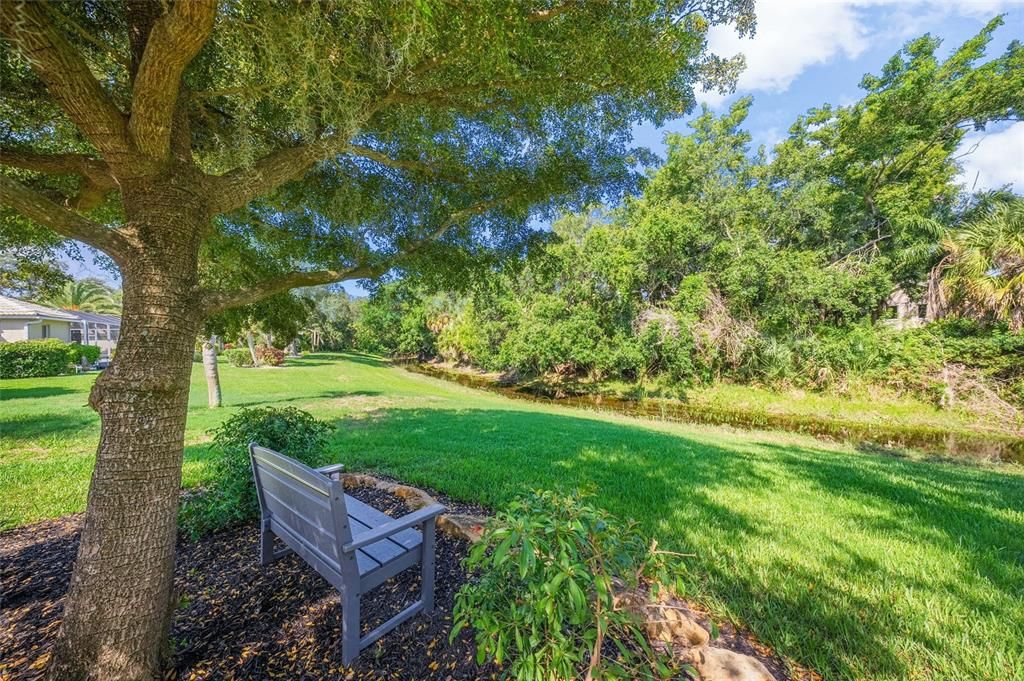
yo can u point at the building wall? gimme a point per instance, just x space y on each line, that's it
906 312
12 330
57 329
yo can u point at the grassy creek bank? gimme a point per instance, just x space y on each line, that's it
954 439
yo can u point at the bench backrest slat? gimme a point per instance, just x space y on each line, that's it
309 504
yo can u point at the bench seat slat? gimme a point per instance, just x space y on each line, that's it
385 550
372 518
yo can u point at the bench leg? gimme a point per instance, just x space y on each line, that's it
266 542
427 567
349 627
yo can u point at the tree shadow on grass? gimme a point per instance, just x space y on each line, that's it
325 395
678 488
320 359
32 393
24 427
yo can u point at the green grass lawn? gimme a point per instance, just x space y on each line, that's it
860 566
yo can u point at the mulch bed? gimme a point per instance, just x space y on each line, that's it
238 620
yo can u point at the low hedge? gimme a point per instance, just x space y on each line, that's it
229 497
35 358
238 357
77 351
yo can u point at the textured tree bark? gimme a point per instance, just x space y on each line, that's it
117 611
212 375
252 348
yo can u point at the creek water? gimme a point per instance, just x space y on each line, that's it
993 447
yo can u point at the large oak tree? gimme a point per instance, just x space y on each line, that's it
223 152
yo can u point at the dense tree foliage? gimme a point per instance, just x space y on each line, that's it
296 144
982 274
739 263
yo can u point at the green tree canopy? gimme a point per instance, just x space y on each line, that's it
301 144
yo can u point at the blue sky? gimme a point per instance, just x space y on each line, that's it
809 52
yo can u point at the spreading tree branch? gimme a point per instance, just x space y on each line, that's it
97 179
385 160
66 75
174 41
238 187
46 213
218 302
56 164
285 282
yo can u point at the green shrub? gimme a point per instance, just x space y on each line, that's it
77 351
34 358
238 357
231 498
543 589
269 356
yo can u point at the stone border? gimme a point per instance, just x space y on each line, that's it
668 622
458 525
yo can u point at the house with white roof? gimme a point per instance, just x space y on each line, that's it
21 320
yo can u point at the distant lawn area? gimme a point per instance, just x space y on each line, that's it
860 566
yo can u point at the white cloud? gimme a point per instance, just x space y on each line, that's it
790 37
793 35
906 19
997 159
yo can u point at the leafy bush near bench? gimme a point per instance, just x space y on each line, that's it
238 357
231 497
543 590
35 358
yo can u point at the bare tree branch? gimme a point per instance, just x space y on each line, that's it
29 28
97 179
285 282
175 40
46 213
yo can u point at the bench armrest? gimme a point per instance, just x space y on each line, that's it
331 469
397 525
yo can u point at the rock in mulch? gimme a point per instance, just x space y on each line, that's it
461 520
719 664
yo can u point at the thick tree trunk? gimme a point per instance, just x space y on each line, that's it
212 376
117 611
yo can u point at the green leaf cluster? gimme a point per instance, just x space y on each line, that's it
36 358
542 600
231 495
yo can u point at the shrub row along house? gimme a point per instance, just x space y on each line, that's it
21 321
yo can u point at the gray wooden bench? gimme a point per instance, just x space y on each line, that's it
354 546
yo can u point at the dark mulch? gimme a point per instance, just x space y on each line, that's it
239 620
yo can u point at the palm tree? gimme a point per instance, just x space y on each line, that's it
982 274
87 295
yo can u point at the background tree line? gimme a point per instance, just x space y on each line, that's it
736 263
